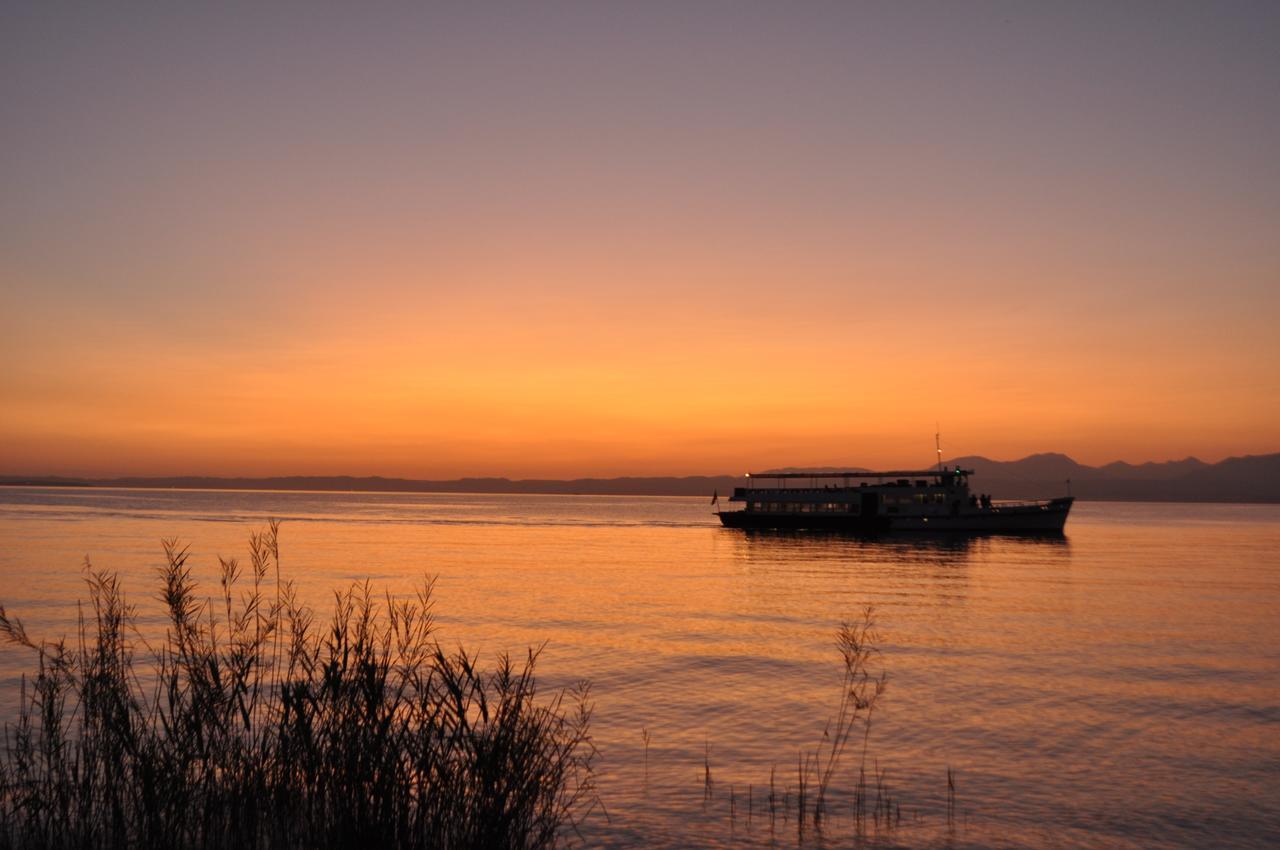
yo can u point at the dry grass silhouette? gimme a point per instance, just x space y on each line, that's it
250 725
818 769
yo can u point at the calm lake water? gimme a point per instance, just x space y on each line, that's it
1119 687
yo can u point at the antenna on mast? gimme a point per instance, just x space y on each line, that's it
937 441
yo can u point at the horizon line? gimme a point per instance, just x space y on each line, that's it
12 478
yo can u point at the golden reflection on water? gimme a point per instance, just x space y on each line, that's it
1113 687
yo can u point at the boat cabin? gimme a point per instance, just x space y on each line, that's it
937 492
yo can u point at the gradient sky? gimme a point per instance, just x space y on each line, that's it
599 239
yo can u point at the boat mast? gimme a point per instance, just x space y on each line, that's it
937 441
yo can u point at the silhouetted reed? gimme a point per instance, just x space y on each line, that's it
817 769
250 726
861 691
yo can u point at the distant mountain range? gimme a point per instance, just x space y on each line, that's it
1253 478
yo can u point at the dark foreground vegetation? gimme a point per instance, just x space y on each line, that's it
249 725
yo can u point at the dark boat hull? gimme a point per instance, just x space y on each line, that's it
1042 518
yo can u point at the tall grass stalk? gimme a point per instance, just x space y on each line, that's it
861 692
250 725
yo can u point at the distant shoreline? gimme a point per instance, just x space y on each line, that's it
674 486
442 492
1253 479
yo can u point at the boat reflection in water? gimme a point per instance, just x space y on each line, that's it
933 501
836 552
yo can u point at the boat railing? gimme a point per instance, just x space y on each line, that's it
851 488
795 489
996 504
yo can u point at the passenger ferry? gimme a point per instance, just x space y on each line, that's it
876 502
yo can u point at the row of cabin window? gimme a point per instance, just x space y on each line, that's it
803 507
917 499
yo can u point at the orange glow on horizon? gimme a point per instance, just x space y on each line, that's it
569 387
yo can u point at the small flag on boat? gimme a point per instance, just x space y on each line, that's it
715 497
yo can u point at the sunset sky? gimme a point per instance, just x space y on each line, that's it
548 239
